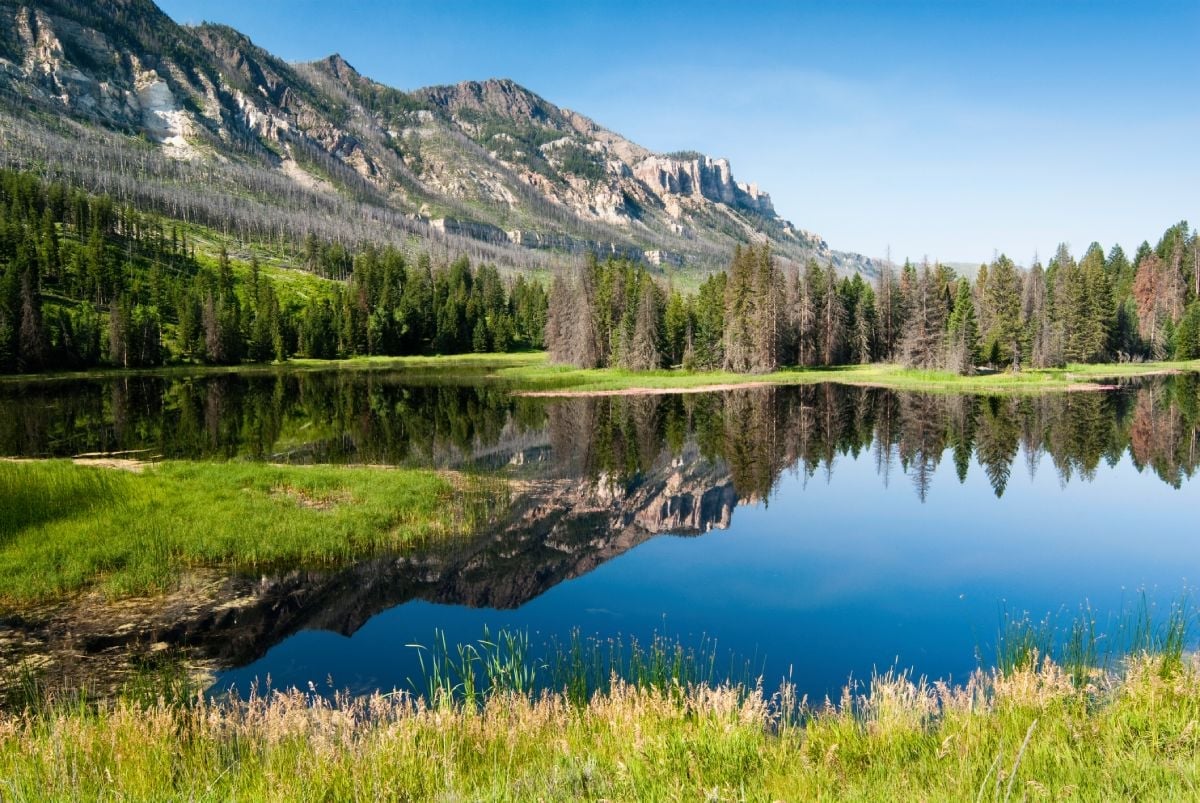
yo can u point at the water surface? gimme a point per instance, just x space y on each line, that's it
820 532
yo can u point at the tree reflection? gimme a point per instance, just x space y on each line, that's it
752 434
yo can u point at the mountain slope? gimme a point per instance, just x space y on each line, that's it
115 93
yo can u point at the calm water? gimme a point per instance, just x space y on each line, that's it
822 532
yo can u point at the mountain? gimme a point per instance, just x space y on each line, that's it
200 123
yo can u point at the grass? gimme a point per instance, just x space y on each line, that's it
531 372
660 727
473 363
1083 648
470 674
1030 733
66 528
543 376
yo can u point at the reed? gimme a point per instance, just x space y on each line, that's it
1083 647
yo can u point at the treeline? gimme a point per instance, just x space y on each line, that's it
391 308
87 282
756 317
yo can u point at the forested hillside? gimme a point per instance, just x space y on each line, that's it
756 317
85 281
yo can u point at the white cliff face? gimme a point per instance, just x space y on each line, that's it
703 177
164 121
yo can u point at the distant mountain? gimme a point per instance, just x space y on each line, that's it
203 124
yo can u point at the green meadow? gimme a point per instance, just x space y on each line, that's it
66 528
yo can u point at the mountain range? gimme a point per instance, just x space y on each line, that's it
199 123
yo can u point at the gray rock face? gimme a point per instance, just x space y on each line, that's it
702 177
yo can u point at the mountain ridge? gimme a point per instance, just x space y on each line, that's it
488 163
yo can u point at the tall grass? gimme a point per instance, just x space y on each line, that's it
66 528
1084 648
33 493
579 668
583 666
1026 734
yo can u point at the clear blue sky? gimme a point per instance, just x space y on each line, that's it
947 129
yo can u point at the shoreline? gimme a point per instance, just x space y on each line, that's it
531 375
545 380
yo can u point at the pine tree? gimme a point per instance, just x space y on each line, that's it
739 334
889 322
118 333
31 337
925 332
10 316
1187 334
963 332
644 351
677 322
709 334
765 315
809 301
1002 300
832 320
865 326
1036 330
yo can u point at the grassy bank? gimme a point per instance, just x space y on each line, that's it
472 363
66 528
531 372
547 378
1032 733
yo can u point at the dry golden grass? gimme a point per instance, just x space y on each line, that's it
1028 734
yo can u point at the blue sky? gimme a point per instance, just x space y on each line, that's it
947 129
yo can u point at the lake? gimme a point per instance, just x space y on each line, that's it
818 532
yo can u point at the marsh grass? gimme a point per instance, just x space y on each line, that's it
1026 734
66 528
35 493
579 668
1083 647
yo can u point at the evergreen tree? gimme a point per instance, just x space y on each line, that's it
925 331
677 324
832 320
809 301
1002 300
644 351
963 332
1036 332
865 324
739 338
709 335
1187 334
